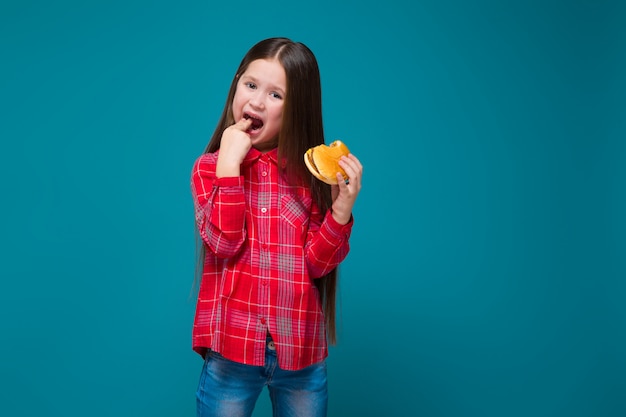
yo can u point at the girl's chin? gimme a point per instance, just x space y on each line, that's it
264 145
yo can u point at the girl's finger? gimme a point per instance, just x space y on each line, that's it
243 124
356 162
350 166
341 182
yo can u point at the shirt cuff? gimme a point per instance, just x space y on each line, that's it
338 230
229 181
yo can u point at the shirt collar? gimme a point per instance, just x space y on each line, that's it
254 155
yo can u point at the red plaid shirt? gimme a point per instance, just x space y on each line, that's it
266 241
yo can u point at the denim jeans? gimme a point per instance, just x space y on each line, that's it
231 389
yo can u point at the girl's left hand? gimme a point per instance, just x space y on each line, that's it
344 194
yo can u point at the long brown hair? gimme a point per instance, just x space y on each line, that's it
302 128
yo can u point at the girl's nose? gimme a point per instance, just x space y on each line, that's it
257 100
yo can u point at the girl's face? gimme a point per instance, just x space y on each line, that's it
260 96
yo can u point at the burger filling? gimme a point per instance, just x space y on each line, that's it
312 160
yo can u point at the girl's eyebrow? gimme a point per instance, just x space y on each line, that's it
254 80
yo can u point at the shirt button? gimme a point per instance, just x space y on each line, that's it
262 321
264 282
264 173
263 210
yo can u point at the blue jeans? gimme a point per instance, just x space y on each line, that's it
231 389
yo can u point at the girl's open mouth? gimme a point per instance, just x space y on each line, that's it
256 123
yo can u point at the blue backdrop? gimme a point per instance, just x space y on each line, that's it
487 272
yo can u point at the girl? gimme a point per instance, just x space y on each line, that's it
272 238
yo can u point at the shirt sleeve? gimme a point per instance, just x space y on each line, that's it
328 244
219 207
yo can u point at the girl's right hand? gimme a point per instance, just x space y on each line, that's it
234 147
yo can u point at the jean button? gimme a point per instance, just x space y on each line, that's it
271 345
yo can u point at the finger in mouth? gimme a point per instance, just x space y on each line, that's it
256 123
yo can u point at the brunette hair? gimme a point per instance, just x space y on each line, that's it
301 129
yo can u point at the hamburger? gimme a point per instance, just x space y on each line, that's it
323 161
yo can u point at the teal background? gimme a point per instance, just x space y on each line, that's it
487 269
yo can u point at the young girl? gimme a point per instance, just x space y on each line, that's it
272 238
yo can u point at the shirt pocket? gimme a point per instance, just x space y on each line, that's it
295 210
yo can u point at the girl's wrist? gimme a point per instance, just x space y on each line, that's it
341 217
225 169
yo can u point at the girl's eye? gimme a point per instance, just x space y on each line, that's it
251 85
276 95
